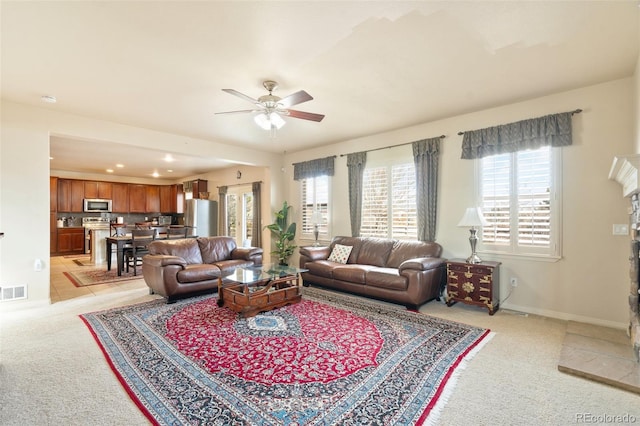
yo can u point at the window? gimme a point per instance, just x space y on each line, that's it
519 195
315 196
389 202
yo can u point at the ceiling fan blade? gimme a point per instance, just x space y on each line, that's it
237 112
295 99
241 95
304 115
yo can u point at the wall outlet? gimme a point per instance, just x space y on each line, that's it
514 282
620 229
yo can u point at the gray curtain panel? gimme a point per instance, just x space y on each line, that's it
426 154
222 211
553 130
355 165
313 168
256 230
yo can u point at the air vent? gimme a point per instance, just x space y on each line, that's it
13 293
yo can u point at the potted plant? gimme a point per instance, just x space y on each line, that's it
284 234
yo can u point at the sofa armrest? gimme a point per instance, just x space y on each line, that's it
422 263
160 260
246 253
315 253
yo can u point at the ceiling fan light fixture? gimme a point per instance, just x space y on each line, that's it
276 120
263 121
267 122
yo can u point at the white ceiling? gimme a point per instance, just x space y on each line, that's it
371 66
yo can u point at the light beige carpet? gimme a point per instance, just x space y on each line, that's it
53 373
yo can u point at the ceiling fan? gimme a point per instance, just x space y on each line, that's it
271 108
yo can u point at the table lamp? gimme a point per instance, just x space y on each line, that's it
316 218
473 218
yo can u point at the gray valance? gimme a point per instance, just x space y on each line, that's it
313 168
550 130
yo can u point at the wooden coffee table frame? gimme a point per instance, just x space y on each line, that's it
249 299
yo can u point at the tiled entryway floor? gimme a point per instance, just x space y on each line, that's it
63 289
601 354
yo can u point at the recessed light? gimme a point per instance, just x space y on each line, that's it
168 158
169 171
119 166
48 99
109 170
155 174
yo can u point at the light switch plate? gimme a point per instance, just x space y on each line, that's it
620 229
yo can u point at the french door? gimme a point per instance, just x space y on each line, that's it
240 214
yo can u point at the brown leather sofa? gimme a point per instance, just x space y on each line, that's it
404 272
183 267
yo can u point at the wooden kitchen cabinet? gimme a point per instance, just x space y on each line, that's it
70 241
474 283
171 199
53 233
152 202
53 194
120 198
70 195
137 198
97 189
198 186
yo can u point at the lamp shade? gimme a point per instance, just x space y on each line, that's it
316 217
473 217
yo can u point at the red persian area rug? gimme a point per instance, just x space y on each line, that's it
82 278
331 359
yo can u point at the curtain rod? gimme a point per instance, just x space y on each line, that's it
387 147
240 184
577 111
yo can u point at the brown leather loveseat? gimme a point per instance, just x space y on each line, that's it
176 268
404 272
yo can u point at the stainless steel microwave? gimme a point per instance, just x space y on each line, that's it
96 205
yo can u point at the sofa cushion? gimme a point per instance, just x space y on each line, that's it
386 278
185 248
404 250
352 273
354 242
215 249
321 268
374 251
198 272
340 253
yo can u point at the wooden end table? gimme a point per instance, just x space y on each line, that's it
474 284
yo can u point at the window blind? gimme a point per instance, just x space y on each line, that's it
374 203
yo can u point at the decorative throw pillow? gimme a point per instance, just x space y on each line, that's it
340 253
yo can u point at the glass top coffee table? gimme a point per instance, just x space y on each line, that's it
251 290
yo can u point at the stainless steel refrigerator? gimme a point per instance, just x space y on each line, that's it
202 216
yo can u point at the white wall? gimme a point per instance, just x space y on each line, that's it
591 281
636 115
24 181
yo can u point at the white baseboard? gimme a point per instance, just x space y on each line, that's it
565 316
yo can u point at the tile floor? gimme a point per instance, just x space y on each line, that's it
63 289
601 354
